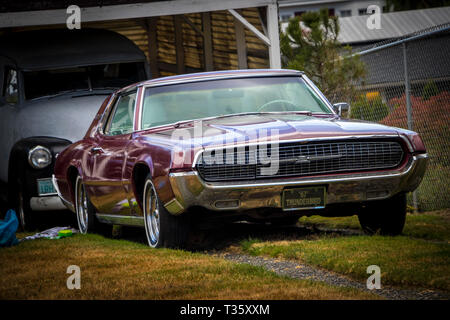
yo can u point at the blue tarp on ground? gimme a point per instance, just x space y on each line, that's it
8 228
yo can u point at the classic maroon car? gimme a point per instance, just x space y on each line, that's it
253 145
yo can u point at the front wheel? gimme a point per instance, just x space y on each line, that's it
386 217
162 228
85 211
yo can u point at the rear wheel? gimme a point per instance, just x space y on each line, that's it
162 228
386 217
85 211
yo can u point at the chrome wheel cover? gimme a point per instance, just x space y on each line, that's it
151 214
81 206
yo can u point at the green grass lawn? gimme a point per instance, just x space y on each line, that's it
432 225
403 261
120 269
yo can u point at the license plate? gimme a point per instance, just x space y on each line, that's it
45 187
304 198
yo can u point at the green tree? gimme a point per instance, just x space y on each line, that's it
369 109
310 44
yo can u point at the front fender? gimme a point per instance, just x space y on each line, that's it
21 173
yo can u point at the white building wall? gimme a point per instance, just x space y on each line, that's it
287 9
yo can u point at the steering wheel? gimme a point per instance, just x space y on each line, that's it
278 101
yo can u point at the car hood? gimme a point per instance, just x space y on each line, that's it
240 128
66 116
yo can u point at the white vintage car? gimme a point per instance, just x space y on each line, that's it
52 85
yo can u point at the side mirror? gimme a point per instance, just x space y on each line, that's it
341 108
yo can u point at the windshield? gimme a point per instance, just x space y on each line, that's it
50 82
188 101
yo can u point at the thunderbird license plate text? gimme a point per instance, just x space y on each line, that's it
304 198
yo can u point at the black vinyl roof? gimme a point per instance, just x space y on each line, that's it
59 48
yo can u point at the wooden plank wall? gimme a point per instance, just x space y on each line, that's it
223 41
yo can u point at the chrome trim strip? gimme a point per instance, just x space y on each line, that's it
138 108
121 220
101 122
318 92
69 205
66 202
255 73
55 185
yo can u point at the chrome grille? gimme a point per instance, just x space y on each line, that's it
297 159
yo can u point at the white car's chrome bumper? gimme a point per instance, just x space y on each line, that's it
47 203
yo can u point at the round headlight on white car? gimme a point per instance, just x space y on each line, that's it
39 157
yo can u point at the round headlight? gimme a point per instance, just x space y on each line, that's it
39 157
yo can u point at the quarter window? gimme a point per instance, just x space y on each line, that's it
121 121
10 86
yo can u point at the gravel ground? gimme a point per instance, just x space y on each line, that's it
303 271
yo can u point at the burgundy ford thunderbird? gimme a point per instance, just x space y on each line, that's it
250 145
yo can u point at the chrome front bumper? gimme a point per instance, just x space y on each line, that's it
47 203
190 190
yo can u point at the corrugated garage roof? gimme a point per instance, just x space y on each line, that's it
393 25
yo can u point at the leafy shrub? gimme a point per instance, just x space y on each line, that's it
430 89
369 109
431 119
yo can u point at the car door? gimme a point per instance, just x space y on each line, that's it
108 158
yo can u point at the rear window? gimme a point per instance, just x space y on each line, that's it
50 82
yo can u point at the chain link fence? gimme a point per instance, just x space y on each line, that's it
407 85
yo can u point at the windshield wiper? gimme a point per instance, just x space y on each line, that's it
308 113
182 122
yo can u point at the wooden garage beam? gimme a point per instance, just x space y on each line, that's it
192 25
207 41
152 46
178 24
126 11
241 45
274 36
163 66
249 26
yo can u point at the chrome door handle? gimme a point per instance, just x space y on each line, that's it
97 150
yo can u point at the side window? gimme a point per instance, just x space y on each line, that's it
121 121
10 86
